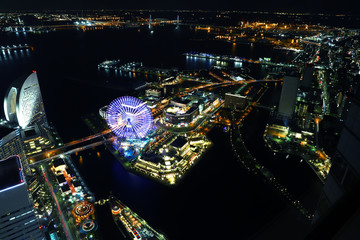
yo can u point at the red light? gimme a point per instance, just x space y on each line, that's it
34 71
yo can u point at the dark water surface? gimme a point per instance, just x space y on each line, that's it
217 200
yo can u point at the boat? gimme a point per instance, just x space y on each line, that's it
131 225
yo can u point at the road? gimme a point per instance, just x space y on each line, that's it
64 223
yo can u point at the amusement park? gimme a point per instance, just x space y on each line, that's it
162 148
131 121
152 147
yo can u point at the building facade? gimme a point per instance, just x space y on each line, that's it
11 145
17 216
288 96
23 105
345 170
36 138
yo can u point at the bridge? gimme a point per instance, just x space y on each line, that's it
68 148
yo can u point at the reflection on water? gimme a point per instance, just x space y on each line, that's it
15 56
233 49
209 192
196 63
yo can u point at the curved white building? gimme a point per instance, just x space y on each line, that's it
23 103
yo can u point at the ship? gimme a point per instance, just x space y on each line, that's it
131 225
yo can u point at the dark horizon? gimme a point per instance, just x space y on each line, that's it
306 6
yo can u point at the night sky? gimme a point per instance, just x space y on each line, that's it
315 6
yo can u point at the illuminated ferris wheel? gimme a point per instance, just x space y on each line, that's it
129 117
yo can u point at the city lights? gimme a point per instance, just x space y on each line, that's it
191 117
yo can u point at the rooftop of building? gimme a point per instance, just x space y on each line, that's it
70 172
5 131
182 101
76 183
174 110
179 142
151 157
9 137
65 188
235 95
58 162
10 172
30 132
60 179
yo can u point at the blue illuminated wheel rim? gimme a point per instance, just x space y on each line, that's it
129 117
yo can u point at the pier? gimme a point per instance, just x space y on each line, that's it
236 59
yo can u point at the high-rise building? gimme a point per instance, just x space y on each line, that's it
11 145
24 108
17 216
345 170
338 212
23 105
288 96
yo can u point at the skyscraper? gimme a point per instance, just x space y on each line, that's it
24 108
345 170
288 96
338 213
17 217
23 105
